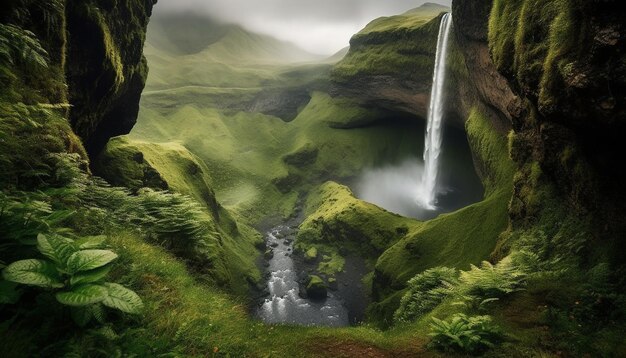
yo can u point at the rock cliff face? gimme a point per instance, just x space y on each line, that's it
105 67
559 77
94 65
549 76
390 63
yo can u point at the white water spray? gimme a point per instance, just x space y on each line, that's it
432 144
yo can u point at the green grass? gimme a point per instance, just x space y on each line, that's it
411 19
244 152
182 172
402 45
185 317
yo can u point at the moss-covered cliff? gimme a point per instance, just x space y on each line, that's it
74 60
565 59
390 62
105 67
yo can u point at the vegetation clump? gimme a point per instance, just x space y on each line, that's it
464 334
75 270
425 291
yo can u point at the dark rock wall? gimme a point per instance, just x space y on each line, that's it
106 69
556 72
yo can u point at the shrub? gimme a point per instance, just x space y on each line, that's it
464 334
425 291
75 271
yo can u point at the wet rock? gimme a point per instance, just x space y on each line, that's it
333 284
274 244
316 288
268 254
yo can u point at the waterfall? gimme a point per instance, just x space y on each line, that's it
432 143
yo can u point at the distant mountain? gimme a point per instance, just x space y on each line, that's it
188 34
338 56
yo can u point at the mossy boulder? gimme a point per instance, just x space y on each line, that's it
333 284
311 254
123 164
136 164
316 288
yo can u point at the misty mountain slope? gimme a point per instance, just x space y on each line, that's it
190 34
191 50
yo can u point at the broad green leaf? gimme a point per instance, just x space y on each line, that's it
90 276
33 272
122 299
82 295
86 260
56 248
91 242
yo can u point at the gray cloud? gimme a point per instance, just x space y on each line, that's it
319 26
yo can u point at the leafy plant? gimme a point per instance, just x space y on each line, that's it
425 291
474 303
176 221
24 215
21 46
464 334
75 271
489 281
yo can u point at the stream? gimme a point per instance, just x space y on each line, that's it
285 302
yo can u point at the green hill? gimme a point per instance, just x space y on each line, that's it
193 50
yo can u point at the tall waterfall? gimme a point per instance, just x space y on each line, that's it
432 144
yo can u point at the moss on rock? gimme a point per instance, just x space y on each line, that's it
390 62
106 69
316 288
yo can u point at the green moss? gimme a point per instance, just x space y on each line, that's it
331 264
303 156
111 49
123 164
394 45
311 254
335 218
536 42
169 165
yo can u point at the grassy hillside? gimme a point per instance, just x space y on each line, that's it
189 49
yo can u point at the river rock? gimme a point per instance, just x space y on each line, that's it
311 254
333 284
316 288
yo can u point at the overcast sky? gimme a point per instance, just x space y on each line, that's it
319 26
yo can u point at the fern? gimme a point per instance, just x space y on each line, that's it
491 281
19 46
425 291
464 334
